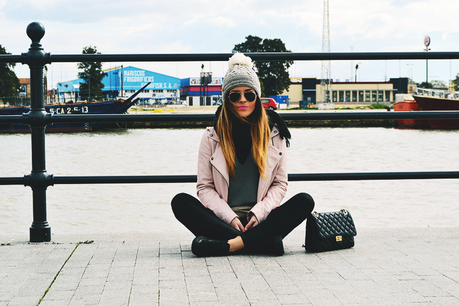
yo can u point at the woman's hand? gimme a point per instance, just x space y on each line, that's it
252 223
237 224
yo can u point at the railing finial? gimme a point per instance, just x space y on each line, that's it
35 31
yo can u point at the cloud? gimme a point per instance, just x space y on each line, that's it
201 26
222 21
383 25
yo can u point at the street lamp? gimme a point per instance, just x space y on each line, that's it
427 44
356 67
411 72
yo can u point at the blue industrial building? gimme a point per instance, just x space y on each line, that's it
124 81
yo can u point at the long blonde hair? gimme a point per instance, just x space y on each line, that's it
259 131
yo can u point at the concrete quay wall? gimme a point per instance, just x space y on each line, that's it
211 109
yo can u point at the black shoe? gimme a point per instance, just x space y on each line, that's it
203 246
271 246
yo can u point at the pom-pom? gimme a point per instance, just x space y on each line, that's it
240 59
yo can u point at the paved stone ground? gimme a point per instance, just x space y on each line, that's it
386 267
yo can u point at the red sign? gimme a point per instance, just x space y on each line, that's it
427 41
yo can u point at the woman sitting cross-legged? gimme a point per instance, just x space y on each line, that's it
242 175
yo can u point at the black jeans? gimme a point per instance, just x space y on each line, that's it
202 221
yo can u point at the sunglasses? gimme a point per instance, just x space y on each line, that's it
235 96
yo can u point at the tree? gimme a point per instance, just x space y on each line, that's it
92 76
273 75
439 84
9 82
424 85
455 83
434 84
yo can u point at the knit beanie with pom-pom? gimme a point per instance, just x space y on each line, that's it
240 73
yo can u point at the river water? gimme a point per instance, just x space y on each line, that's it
81 209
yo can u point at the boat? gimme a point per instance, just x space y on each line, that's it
428 100
406 103
119 106
438 100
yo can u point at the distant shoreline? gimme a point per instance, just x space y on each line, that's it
177 109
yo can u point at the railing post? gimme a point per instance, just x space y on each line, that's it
36 58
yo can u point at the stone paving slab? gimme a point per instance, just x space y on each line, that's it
387 266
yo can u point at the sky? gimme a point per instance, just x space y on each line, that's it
204 26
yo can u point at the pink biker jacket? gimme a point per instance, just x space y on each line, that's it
213 177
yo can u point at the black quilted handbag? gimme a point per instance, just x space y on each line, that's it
330 231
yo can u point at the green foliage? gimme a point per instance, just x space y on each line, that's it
434 84
439 84
424 85
378 106
272 74
92 76
455 84
9 82
86 242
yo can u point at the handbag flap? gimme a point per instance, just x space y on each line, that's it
331 224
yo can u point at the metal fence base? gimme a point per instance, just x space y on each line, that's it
41 234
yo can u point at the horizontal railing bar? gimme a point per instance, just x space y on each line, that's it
271 56
312 56
131 179
8 58
12 181
293 177
371 115
373 176
81 118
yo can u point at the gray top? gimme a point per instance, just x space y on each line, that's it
243 189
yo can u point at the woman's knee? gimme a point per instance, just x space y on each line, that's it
179 198
180 202
306 202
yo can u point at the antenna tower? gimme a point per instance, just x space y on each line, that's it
326 67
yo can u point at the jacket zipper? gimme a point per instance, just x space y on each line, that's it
220 173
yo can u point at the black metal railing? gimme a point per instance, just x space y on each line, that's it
37 118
